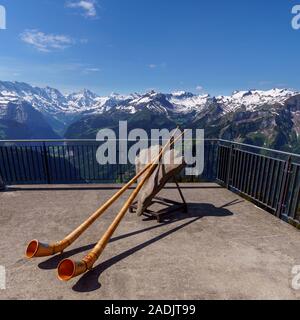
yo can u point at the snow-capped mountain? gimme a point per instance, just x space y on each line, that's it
48 100
58 109
254 99
52 102
186 102
80 101
238 116
19 120
114 101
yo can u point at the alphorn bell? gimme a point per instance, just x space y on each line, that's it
37 249
68 269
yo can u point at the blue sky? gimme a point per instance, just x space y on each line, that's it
137 45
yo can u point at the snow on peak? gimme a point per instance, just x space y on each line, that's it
254 98
51 101
187 102
6 97
87 94
179 93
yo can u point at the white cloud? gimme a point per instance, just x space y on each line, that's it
199 88
157 66
88 7
91 70
46 42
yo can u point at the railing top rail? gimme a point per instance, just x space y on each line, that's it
94 140
49 140
82 140
256 147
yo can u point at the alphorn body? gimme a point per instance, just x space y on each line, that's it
68 269
37 249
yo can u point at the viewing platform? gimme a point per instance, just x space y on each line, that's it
225 247
239 240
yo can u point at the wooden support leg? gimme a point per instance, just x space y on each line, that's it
181 194
165 202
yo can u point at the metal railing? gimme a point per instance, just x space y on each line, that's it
270 178
57 162
71 161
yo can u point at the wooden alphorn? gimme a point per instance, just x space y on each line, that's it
38 249
68 269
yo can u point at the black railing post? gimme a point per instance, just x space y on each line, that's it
215 161
284 187
46 164
229 166
218 160
2 184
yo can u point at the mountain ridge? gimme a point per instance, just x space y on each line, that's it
266 117
52 100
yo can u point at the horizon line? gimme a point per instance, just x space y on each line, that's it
147 91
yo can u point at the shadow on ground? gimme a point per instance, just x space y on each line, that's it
93 188
90 281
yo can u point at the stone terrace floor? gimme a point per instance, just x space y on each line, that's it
224 248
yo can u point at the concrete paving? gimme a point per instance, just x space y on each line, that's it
224 248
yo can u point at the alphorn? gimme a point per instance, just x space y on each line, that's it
68 269
37 249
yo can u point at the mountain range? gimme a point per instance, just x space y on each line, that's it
266 118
